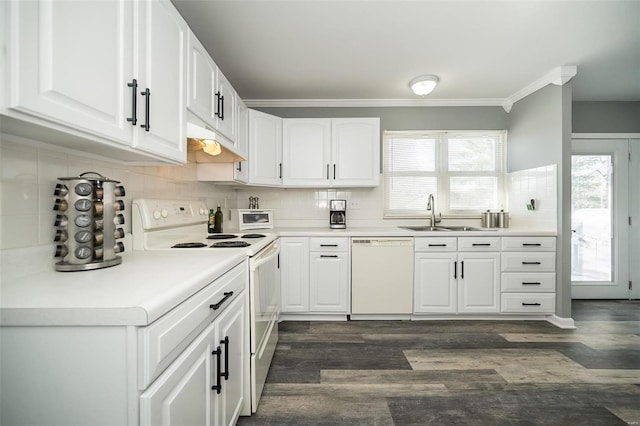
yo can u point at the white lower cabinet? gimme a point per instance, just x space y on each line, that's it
450 282
205 384
315 275
528 275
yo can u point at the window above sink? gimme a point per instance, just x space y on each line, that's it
465 170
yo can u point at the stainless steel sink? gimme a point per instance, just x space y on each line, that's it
445 228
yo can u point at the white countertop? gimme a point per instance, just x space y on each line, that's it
393 231
145 286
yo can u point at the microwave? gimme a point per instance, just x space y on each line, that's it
253 219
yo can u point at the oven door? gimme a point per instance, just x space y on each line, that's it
264 308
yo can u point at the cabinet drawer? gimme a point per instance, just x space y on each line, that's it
529 262
164 340
528 303
426 244
528 243
329 244
479 244
528 282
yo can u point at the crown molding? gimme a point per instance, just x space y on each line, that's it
371 103
558 76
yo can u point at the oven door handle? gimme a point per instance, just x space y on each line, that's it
271 252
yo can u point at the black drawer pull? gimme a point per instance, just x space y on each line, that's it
328 245
455 270
437 245
531 283
481 244
147 109
328 255
216 306
225 342
530 304
531 263
531 244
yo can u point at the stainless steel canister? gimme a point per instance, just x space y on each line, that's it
503 219
489 219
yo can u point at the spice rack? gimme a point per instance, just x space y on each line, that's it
88 215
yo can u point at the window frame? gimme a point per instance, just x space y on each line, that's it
442 174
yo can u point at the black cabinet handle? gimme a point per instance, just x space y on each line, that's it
530 304
327 171
239 168
437 245
531 263
216 306
328 245
462 269
218 99
328 255
531 244
280 170
455 270
225 342
134 102
334 171
531 283
218 386
481 244
147 106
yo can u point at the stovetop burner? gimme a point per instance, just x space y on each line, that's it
231 244
253 236
189 245
220 236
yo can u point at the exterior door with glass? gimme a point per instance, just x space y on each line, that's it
600 215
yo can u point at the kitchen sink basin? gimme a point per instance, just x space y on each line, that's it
444 228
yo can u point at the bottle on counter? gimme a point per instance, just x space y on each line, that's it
211 222
217 222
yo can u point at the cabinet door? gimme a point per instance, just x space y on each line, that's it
162 60
306 152
435 283
182 394
265 148
355 151
70 62
241 168
225 101
231 333
294 273
201 82
329 282
479 282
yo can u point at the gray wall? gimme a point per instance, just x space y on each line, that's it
606 117
409 118
539 135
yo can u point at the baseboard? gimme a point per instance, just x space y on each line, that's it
560 322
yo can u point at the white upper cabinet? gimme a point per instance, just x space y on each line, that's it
241 168
355 150
70 62
265 148
339 152
162 63
82 68
211 97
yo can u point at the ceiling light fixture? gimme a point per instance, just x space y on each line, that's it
424 84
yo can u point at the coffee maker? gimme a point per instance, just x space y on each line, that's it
337 214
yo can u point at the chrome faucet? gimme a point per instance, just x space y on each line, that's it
431 206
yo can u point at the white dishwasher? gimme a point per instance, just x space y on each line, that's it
381 276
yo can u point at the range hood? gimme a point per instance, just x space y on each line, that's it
201 136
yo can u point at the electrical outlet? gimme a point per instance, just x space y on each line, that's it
354 204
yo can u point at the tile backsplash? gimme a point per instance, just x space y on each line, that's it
29 173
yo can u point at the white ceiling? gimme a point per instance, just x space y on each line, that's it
482 51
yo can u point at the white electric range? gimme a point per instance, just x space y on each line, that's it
182 225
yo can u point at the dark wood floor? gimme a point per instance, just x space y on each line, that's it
458 372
